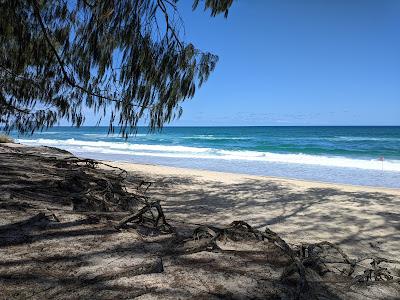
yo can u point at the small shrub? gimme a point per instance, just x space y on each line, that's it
5 139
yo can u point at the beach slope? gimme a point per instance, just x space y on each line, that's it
364 220
49 248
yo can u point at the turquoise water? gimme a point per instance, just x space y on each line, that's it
335 154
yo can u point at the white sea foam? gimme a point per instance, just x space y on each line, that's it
213 137
124 148
343 139
47 132
113 145
105 135
361 138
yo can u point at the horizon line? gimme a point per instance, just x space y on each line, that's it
171 126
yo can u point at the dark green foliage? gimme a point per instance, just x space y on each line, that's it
216 6
122 59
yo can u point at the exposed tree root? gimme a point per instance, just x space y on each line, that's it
28 222
99 189
151 215
304 258
60 175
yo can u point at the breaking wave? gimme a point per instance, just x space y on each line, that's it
176 151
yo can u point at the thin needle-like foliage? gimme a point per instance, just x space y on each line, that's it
125 60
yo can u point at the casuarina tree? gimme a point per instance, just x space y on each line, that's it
124 60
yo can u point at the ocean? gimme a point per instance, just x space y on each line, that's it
352 155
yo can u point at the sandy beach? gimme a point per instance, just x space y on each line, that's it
361 219
50 248
205 150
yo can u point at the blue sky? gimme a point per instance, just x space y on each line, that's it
309 62
290 62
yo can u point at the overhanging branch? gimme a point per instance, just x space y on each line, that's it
61 63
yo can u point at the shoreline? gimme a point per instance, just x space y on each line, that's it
37 212
327 156
290 180
362 220
239 175
301 210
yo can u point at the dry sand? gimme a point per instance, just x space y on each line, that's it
362 219
68 255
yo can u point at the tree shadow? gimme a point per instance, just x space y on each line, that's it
83 266
354 218
78 258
